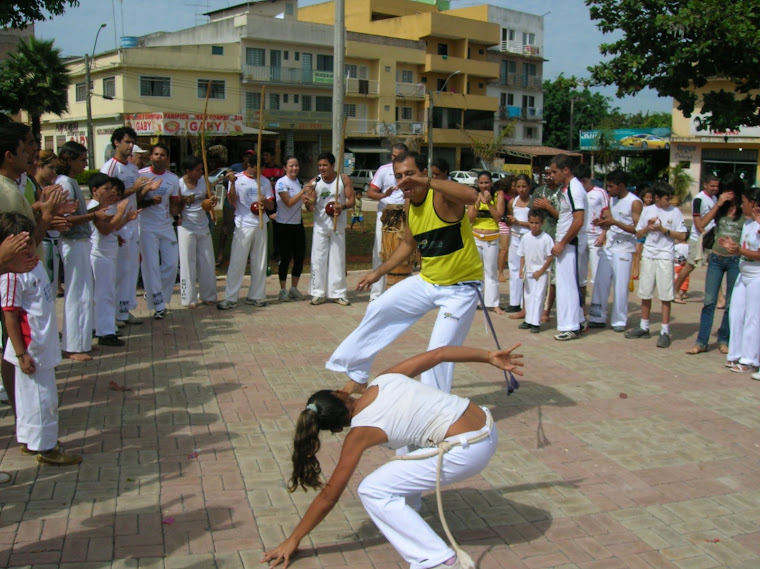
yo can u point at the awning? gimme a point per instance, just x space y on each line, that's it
368 150
251 130
526 151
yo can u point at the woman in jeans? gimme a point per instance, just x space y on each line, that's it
728 223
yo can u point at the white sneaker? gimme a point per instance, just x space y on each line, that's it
283 296
756 375
295 294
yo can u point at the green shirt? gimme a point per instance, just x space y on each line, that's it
727 226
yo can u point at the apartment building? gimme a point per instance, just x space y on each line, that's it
401 57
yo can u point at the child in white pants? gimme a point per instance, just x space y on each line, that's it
535 253
396 411
28 305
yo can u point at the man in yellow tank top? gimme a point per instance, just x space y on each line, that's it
450 264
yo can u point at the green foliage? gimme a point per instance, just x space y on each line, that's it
84 176
487 151
34 79
20 14
676 46
639 120
680 179
589 110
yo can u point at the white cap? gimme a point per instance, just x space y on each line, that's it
137 150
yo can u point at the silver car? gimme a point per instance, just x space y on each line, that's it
361 179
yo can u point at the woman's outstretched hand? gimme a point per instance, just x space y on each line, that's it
281 554
506 360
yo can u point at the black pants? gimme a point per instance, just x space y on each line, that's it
292 241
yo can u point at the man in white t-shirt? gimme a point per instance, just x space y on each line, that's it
701 205
128 262
383 188
158 242
250 194
570 238
662 224
598 201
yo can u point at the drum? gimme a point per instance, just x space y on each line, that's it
394 223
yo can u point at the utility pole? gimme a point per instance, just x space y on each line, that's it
339 91
88 106
572 121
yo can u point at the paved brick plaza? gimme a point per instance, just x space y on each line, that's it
613 454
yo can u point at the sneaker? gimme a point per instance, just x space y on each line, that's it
132 321
254 302
227 304
618 329
110 340
596 324
342 301
295 294
566 336
524 326
664 340
283 296
58 457
159 314
638 333
535 329
756 375
317 300
120 324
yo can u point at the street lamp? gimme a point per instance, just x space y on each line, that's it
572 122
430 120
88 103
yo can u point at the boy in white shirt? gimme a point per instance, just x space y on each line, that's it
662 224
28 304
535 252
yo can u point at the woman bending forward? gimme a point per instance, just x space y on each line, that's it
395 411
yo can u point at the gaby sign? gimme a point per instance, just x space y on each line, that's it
177 124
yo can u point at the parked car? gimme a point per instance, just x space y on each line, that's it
496 176
361 179
645 141
466 177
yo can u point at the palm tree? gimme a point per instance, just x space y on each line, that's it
34 79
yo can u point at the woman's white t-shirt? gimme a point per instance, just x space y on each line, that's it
287 215
193 215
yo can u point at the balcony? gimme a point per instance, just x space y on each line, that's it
410 90
521 48
293 120
451 100
445 65
366 127
531 114
287 76
362 87
510 112
527 82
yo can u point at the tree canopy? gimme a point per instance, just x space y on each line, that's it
676 47
20 14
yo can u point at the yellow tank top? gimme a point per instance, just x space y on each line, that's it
483 220
448 251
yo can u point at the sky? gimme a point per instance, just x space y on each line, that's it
571 40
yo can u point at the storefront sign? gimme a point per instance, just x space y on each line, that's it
177 124
626 139
684 153
743 132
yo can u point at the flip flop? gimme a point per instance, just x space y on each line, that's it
741 368
679 301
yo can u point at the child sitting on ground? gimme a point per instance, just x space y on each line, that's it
28 304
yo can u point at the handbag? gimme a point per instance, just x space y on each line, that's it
708 239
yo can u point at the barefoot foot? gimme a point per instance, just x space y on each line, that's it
517 315
77 356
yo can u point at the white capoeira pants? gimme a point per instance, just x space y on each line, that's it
378 287
159 265
489 254
76 333
569 308
513 260
196 266
535 295
248 244
384 495
396 310
37 409
744 320
328 264
594 255
104 271
127 269
614 272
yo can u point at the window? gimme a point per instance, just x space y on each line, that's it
274 101
529 132
323 104
443 49
217 50
253 101
507 68
349 110
255 56
81 92
528 101
217 89
529 39
324 62
506 100
295 99
285 55
109 87
306 103
289 10
351 70
285 99
153 86
440 84
406 76
406 113
298 55
507 35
